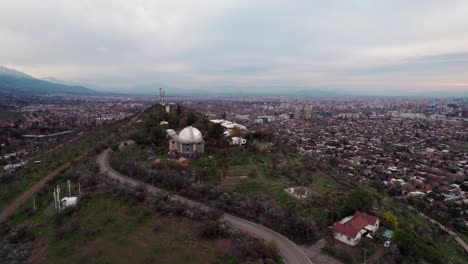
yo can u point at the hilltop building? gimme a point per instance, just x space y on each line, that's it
189 142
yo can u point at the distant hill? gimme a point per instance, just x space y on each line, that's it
13 82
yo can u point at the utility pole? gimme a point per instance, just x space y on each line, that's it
58 197
79 189
55 199
69 189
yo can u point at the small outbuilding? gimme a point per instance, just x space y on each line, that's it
69 201
237 141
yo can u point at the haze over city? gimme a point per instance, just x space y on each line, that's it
234 131
357 47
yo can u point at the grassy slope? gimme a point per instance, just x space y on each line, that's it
108 229
32 173
444 244
258 168
266 183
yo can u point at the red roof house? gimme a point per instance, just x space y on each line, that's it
352 228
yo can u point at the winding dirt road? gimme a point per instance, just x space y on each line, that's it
288 250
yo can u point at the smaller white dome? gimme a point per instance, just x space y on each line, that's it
190 135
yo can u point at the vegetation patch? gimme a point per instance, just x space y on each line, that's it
6 116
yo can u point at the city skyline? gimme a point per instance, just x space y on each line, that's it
356 46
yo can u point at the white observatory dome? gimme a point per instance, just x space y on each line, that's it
190 135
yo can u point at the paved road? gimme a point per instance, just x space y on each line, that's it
288 250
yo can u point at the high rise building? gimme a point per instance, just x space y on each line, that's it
297 113
161 96
307 113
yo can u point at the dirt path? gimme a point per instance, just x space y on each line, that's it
375 258
39 251
314 252
10 209
452 234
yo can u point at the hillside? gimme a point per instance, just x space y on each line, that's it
245 181
112 223
16 83
250 183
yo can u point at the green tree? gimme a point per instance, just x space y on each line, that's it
407 242
157 135
191 118
115 146
178 110
390 219
216 131
222 163
358 200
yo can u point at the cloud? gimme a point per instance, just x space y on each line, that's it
354 45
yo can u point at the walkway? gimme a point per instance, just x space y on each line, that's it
446 229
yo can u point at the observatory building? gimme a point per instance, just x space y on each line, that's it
189 142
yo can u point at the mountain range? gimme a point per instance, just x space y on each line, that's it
16 83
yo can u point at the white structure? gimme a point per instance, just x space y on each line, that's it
188 143
14 167
237 141
416 194
228 124
163 123
299 192
170 107
284 116
350 115
351 229
69 201
265 119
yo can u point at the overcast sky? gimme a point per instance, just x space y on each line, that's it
355 45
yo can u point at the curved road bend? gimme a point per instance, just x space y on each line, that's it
288 250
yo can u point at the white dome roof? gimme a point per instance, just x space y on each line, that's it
190 135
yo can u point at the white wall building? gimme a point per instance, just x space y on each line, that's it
237 141
351 229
